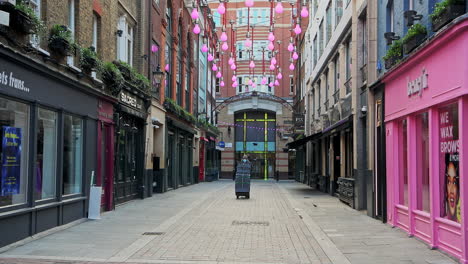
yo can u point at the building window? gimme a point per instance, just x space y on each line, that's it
179 67
403 162
320 39
217 85
314 44
46 154
348 60
125 42
239 82
315 7
14 117
336 79
347 2
422 163
36 6
449 162
188 73
390 16
338 11
72 154
71 26
329 23
291 84
155 88
96 31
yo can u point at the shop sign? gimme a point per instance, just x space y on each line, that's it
417 85
11 161
105 110
12 81
299 120
228 145
131 100
221 144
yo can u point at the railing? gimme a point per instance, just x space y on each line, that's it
318 111
336 96
348 84
326 105
364 74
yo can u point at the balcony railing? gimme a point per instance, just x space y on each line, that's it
363 74
348 84
336 96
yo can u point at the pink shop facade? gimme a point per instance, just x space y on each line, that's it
426 122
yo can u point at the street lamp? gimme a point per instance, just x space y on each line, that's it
157 79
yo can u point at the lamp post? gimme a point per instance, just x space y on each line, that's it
158 75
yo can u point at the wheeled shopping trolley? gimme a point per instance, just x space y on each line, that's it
243 185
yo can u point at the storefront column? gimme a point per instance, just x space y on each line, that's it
412 172
392 171
463 123
434 195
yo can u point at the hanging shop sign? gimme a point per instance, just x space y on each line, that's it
11 160
299 120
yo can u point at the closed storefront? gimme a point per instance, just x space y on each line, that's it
48 125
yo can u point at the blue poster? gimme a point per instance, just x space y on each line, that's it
11 160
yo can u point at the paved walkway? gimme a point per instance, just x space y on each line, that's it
284 222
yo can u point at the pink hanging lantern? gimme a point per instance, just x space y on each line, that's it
291 66
221 84
221 8
264 80
295 56
231 61
271 84
280 76
154 48
271 37
194 14
223 36
304 12
196 29
276 83
233 78
233 66
214 68
249 3
272 67
218 74
225 46
166 68
290 47
279 8
271 46
248 43
254 85
273 61
297 29
204 48
250 82
252 64
234 84
210 57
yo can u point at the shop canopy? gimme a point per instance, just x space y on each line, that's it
302 141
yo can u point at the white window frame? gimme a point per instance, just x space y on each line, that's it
71 27
35 40
95 32
291 84
125 43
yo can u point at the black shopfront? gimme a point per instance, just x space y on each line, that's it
131 113
48 125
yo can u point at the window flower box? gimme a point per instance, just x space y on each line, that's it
413 43
446 15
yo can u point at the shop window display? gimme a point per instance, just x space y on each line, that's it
72 155
46 154
403 149
14 128
449 162
422 152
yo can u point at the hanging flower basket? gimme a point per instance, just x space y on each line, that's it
21 22
112 78
447 14
60 40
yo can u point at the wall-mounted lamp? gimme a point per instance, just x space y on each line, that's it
119 32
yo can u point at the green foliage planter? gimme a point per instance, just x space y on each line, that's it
415 36
23 19
208 126
171 106
446 11
60 40
394 54
112 78
132 77
89 60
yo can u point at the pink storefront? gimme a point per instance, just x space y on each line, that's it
426 116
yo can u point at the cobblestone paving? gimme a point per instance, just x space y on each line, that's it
205 223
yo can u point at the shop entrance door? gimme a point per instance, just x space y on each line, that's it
106 168
336 161
170 161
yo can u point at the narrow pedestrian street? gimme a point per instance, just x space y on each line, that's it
282 222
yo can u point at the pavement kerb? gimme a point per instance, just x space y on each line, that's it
330 249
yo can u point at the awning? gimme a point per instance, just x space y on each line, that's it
212 139
302 141
342 124
204 139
